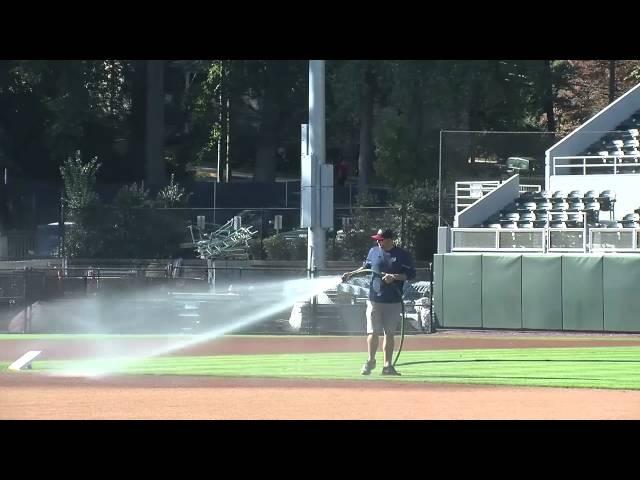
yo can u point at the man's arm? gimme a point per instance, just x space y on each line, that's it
409 271
366 265
348 275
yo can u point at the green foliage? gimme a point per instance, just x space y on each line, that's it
79 181
140 233
418 207
129 228
173 195
132 196
412 209
51 107
354 243
81 203
277 247
256 251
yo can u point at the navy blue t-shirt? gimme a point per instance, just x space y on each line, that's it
396 260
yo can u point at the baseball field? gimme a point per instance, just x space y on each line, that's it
452 374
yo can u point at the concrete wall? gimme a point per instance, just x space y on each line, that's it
489 204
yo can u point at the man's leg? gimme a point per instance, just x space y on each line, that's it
372 345
391 321
374 329
388 349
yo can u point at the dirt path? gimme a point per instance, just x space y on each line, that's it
208 398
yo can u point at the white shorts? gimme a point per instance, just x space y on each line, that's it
383 317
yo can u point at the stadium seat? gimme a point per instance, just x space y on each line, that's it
576 204
574 194
558 216
509 217
559 204
544 205
574 218
607 199
557 224
541 195
527 206
590 194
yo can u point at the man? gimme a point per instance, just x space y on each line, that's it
342 172
392 266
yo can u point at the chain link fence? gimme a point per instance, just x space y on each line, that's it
152 297
467 156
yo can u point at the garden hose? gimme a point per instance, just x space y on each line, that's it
367 271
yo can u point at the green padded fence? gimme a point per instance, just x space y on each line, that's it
621 281
538 292
437 289
501 283
541 292
582 293
461 291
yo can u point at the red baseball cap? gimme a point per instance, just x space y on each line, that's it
382 234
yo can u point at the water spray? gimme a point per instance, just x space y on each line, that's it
275 296
368 271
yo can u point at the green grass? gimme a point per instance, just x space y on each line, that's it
601 367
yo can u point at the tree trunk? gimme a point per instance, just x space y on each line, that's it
137 120
221 137
224 122
548 96
154 132
612 80
230 116
265 167
227 166
475 122
365 155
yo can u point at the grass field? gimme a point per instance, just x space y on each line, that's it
600 367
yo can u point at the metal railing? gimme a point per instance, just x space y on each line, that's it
496 239
530 188
567 240
596 165
614 240
467 193
546 240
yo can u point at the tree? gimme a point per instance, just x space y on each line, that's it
154 122
357 90
81 203
612 80
548 96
